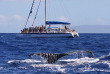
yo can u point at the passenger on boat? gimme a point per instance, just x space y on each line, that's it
30 29
22 31
36 29
44 29
26 30
65 27
59 29
33 29
40 29
73 30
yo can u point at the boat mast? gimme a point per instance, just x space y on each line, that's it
45 13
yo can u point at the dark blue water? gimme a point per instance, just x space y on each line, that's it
14 53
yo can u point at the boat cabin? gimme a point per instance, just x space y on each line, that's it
57 27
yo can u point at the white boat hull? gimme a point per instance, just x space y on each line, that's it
49 35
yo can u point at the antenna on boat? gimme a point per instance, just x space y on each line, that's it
45 13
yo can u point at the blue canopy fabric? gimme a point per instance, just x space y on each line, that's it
56 22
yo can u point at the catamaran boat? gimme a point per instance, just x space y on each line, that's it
52 29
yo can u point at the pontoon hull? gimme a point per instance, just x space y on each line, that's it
49 35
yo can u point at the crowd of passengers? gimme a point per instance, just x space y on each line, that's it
42 29
36 29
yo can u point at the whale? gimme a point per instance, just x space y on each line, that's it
53 57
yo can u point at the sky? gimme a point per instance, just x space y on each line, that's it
14 13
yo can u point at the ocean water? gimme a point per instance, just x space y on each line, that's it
14 53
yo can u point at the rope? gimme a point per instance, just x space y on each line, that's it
30 12
36 12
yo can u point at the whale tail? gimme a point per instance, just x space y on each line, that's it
52 57
80 51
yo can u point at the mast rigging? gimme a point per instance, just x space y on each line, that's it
36 13
30 12
45 13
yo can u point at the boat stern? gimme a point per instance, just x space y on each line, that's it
75 34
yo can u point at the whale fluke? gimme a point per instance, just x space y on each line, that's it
81 51
53 57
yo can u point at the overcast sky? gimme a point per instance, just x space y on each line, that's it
13 13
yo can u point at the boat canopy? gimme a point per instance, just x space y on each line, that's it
56 22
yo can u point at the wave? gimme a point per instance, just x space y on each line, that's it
105 57
24 61
1 68
51 67
95 69
82 60
80 65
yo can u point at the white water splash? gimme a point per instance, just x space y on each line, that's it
104 62
22 68
1 68
82 60
24 61
96 69
107 62
46 65
105 56
52 67
86 62
70 62
109 54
